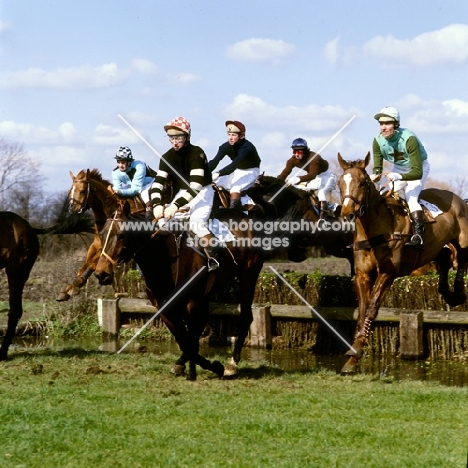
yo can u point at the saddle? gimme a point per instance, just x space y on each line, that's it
394 201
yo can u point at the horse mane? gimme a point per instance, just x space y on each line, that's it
95 175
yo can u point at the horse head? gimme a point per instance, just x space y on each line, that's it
78 195
117 247
356 188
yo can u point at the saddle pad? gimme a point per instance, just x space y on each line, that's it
430 210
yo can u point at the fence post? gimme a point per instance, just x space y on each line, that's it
109 315
411 335
260 329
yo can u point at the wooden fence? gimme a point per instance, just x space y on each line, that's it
303 325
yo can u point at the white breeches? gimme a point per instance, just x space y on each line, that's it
240 179
411 189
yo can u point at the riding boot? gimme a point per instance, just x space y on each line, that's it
211 251
417 240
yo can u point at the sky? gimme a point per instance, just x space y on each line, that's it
79 79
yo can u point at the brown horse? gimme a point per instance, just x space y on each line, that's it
19 248
90 190
168 261
382 228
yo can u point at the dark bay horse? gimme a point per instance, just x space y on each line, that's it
168 262
293 205
382 228
90 190
19 248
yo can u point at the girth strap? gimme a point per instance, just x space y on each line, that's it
372 242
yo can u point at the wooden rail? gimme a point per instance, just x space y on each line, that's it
410 321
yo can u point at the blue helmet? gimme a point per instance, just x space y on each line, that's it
299 143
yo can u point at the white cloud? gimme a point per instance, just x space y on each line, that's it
301 119
144 66
82 77
445 45
261 50
28 133
114 136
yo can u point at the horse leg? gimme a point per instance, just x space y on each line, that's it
86 270
369 300
16 281
177 327
248 281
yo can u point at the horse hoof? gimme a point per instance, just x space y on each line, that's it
192 376
178 370
230 371
62 297
218 369
348 369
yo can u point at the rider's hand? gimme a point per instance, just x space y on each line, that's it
158 212
375 177
118 192
392 176
215 176
293 181
170 211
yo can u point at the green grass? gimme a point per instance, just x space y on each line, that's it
94 409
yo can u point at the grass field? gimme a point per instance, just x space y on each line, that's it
73 408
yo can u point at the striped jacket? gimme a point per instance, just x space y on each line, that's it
188 170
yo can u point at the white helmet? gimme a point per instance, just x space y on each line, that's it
388 114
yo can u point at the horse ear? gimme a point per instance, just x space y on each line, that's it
367 158
126 208
87 174
344 164
71 175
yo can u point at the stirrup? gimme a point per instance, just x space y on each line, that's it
416 241
213 264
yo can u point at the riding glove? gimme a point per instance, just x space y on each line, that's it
392 176
293 181
158 212
170 211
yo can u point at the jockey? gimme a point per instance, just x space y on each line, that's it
319 177
131 177
187 167
244 169
402 148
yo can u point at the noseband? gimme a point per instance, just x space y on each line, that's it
364 202
83 204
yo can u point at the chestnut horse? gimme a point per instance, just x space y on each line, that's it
382 228
90 190
168 261
19 248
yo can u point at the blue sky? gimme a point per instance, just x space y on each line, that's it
285 69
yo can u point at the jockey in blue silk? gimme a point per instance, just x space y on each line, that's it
244 168
131 177
404 150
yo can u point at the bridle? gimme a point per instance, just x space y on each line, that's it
83 205
364 202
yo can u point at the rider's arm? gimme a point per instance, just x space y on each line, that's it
198 177
378 158
414 154
288 168
137 181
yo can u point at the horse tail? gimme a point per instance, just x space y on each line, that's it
73 224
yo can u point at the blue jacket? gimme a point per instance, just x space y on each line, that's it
132 181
